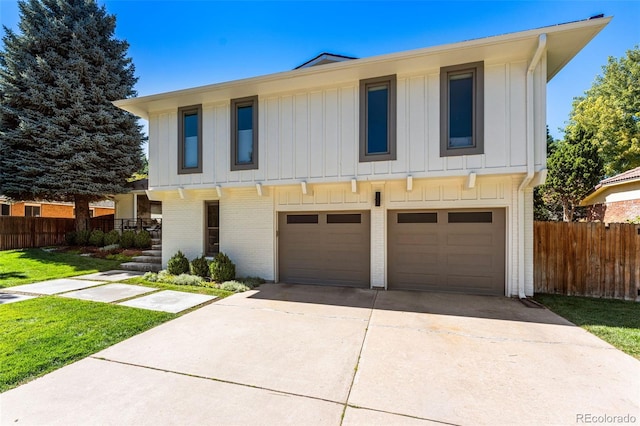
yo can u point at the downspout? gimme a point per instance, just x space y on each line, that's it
530 150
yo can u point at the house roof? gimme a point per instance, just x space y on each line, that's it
564 41
324 58
629 176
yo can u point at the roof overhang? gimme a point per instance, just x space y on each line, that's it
564 41
600 189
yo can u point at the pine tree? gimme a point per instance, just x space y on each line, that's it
61 138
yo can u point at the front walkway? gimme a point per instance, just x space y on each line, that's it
96 288
307 355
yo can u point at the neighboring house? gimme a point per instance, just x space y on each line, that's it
615 199
134 209
412 170
51 208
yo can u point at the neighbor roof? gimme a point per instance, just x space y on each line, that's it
324 58
629 176
564 41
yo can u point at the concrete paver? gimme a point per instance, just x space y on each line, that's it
109 293
300 355
114 275
168 301
54 286
93 391
12 298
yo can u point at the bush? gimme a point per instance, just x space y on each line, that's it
127 239
112 237
82 237
143 239
151 277
186 279
96 238
110 247
178 264
200 267
252 282
70 238
222 268
234 286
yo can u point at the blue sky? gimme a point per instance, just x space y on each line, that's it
180 44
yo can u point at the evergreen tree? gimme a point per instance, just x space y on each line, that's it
575 167
610 111
61 138
543 208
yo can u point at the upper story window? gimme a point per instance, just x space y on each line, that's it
190 139
32 211
462 109
244 133
378 118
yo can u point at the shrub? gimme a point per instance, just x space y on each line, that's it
186 279
127 239
82 237
200 267
112 237
235 286
109 247
96 238
222 268
143 239
252 282
150 276
178 264
70 238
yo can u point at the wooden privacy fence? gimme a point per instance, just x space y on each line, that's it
26 232
587 259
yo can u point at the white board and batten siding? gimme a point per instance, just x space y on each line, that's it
313 135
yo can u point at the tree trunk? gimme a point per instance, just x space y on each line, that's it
82 213
567 211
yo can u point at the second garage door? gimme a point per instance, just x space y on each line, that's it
453 251
325 248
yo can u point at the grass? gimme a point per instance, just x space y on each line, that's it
31 265
186 288
614 321
42 334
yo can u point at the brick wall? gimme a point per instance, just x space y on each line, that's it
615 212
56 210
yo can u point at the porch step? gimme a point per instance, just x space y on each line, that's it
147 259
156 253
157 241
156 247
141 266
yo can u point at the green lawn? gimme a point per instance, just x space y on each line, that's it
614 321
46 333
32 265
186 288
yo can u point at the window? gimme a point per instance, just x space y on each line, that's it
32 211
417 217
378 119
190 139
462 109
244 133
213 228
344 218
5 209
471 217
301 218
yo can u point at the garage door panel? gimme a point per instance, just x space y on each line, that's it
333 251
463 252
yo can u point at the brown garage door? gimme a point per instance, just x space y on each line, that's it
454 251
328 248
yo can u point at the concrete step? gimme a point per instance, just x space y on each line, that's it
156 241
157 253
147 259
141 266
156 247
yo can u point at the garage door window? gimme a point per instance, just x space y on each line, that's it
344 218
471 217
301 218
417 217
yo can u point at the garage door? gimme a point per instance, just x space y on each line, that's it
453 251
328 248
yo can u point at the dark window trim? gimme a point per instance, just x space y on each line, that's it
390 80
477 69
235 104
182 111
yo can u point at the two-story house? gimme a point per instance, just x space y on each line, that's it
411 170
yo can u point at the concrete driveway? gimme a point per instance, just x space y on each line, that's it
309 355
